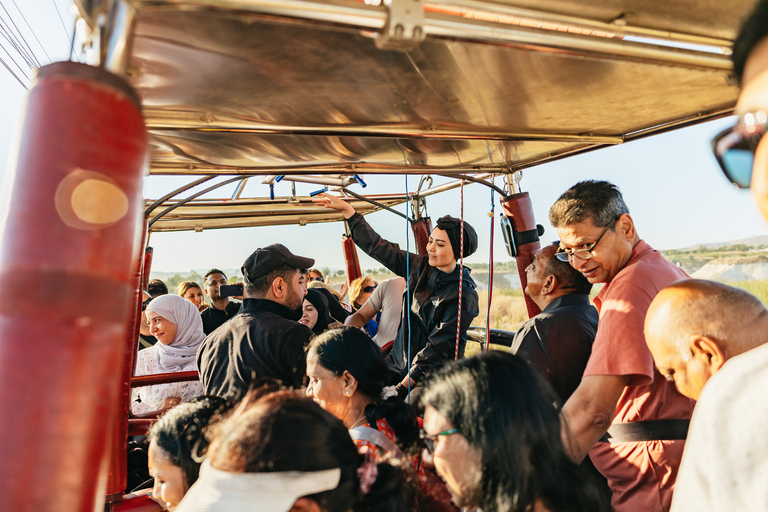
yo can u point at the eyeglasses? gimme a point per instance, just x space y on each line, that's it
146 303
369 289
584 254
310 279
734 148
431 439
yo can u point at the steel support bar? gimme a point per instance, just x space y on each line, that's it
171 120
358 16
70 242
564 21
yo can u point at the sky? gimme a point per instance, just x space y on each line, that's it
676 194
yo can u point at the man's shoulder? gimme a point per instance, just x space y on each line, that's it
739 375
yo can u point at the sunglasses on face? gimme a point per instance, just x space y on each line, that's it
310 279
734 148
431 439
369 289
146 303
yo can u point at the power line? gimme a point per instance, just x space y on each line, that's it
72 39
29 51
33 32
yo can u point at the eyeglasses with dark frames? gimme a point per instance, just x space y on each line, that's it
310 278
431 439
584 254
734 148
369 289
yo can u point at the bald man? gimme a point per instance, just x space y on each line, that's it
694 326
710 339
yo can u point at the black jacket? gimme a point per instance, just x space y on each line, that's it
434 305
263 340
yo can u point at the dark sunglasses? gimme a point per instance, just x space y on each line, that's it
734 148
146 303
369 289
310 279
431 439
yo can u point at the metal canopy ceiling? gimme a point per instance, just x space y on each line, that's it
295 87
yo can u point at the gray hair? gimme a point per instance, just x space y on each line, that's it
600 201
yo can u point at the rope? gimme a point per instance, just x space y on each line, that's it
461 271
408 284
490 278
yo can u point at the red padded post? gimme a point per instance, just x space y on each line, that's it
67 286
422 228
519 209
148 255
351 260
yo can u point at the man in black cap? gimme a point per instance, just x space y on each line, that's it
265 339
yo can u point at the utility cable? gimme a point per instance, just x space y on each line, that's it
70 39
33 32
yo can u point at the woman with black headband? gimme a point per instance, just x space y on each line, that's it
433 283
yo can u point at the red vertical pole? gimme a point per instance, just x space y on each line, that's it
519 209
351 260
148 255
117 478
70 244
422 228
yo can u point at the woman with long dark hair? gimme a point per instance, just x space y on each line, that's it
348 378
493 427
280 451
431 329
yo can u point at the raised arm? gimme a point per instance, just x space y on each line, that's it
387 253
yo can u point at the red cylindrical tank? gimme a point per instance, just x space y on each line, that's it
519 209
351 260
422 228
67 286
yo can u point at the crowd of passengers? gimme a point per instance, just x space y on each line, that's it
308 403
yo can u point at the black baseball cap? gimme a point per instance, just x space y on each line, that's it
266 259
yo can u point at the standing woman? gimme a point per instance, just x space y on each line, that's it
433 283
177 325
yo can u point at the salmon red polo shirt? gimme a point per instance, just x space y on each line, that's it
641 474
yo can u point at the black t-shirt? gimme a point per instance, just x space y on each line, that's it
213 318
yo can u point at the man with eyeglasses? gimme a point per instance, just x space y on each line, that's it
725 466
624 413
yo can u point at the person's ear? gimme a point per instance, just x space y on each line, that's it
550 284
626 226
349 382
707 351
278 287
305 505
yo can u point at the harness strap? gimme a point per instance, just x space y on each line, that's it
526 237
654 430
375 437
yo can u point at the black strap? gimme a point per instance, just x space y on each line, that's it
526 237
656 430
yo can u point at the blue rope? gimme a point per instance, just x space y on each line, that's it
490 275
408 284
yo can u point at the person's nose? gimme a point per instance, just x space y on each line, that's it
309 391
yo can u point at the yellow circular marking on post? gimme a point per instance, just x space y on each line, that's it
90 200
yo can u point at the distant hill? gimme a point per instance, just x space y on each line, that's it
753 241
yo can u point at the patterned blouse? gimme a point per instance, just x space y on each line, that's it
384 428
150 398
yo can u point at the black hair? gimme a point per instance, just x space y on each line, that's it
568 277
600 201
180 433
214 271
754 30
283 431
156 288
350 349
335 310
259 287
320 303
507 411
